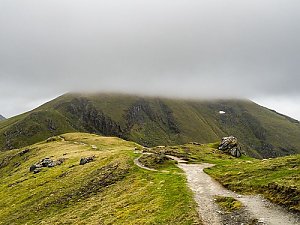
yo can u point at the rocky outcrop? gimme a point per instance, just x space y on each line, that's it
46 162
92 119
141 112
230 145
2 117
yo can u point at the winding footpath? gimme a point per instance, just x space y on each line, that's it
139 164
205 189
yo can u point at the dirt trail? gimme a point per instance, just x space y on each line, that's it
205 188
139 164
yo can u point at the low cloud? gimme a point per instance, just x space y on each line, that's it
198 49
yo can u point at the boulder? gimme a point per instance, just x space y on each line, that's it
235 151
37 170
56 163
34 167
230 145
46 162
86 160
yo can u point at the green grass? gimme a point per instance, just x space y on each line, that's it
276 179
157 161
112 190
109 190
228 204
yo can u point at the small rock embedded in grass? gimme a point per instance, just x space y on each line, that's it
24 152
37 170
94 146
195 143
86 160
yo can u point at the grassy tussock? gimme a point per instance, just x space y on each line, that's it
156 161
228 204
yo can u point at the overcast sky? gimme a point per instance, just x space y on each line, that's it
181 48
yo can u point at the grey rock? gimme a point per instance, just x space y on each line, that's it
86 160
228 143
46 162
37 170
56 163
32 167
35 166
195 143
230 146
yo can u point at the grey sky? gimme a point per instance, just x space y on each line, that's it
181 48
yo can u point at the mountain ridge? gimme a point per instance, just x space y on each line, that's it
154 121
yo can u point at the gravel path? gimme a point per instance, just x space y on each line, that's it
205 188
139 164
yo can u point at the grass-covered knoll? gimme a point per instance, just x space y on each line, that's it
157 161
277 179
228 204
156 121
108 190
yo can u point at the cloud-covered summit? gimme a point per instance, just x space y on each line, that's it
199 49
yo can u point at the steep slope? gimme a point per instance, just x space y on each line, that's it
2 117
157 121
108 190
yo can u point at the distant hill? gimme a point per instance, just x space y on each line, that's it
2 117
157 121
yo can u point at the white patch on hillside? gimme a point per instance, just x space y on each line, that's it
222 112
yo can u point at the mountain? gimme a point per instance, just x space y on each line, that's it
154 121
2 117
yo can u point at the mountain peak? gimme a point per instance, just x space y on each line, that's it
153 121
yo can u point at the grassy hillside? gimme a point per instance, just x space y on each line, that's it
157 121
108 190
111 189
276 179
